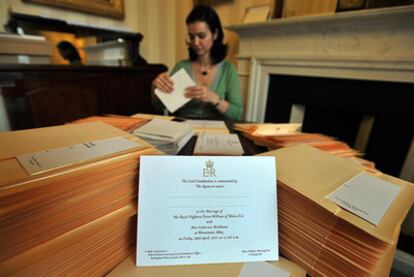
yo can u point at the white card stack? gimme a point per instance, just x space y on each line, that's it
167 136
218 144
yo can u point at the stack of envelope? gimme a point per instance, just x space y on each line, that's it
208 126
128 124
152 116
167 136
275 136
72 219
282 267
318 234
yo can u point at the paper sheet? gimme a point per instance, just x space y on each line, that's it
39 162
218 144
196 210
262 269
176 99
366 196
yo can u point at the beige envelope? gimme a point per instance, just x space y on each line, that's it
40 139
128 268
152 116
315 174
72 251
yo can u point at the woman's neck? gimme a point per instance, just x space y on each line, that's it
204 61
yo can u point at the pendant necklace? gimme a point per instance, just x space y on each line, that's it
204 71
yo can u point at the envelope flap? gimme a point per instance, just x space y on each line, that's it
33 140
17 143
312 172
315 174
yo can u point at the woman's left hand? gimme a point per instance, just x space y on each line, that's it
201 93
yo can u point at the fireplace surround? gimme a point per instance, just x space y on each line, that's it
367 45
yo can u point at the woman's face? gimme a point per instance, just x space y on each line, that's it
200 37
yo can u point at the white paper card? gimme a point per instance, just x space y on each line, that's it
42 161
269 129
366 196
197 210
163 130
176 99
207 124
218 144
262 269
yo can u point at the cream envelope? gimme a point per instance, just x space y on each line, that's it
21 142
128 268
315 174
152 116
57 255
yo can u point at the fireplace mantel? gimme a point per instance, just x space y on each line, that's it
373 44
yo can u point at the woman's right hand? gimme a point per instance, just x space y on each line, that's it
164 83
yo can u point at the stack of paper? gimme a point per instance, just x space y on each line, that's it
167 136
268 129
24 49
111 53
218 144
125 123
152 116
67 199
282 267
335 219
208 126
275 136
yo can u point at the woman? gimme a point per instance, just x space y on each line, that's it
217 93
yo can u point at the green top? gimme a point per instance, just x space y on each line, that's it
226 85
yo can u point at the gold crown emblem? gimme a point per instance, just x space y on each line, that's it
209 164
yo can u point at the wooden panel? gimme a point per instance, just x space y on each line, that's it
51 95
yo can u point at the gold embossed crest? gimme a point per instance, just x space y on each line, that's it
209 170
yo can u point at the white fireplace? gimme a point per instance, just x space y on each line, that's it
374 44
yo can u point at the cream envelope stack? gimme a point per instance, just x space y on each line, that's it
208 126
128 268
76 217
319 235
125 123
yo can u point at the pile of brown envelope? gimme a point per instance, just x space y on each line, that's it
77 219
275 136
128 124
320 236
128 269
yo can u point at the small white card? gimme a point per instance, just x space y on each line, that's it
217 124
159 129
366 196
270 129
176 99
43 161
218 144
262 269
198 210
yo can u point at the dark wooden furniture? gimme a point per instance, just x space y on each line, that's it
32 24
46 95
